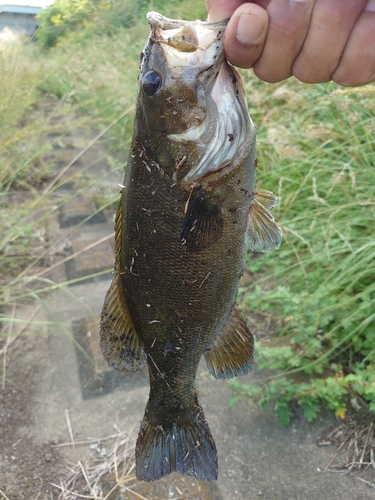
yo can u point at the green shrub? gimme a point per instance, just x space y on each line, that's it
81 19
64 18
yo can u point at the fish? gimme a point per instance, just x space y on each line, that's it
189 210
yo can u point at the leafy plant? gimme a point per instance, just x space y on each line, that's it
65 17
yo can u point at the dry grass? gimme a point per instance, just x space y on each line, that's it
109 467
355 441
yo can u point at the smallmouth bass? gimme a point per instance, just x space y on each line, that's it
189 210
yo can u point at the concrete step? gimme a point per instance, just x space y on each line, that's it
97 378
88 261
77 210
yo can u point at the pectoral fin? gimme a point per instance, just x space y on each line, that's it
119 341
231 353
264 234
202 224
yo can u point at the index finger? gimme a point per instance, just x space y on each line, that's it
221 10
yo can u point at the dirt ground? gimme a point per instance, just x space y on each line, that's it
26 468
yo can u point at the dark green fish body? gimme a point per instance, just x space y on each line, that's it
188 212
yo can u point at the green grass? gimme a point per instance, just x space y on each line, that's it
315 150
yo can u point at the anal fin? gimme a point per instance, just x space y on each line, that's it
264 234
120 344
119 341
231 353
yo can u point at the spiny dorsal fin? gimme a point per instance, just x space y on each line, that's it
118 233
203 223
231 353
121 346
264 233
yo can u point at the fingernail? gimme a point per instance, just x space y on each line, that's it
249 29
370 6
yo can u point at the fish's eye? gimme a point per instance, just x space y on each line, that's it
151 83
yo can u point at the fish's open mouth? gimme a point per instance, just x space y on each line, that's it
185 36
190 47
198 46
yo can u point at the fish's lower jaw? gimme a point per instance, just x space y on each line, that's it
184 447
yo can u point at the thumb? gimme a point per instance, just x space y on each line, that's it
245 35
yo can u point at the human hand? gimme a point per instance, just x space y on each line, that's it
314 40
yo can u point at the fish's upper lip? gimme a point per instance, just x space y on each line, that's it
158 20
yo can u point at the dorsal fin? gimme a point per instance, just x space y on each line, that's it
266 198
119 341
264 233
231 353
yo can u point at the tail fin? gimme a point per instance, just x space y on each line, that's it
186 447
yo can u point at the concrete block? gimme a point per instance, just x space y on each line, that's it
90 261
96 376
78 209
